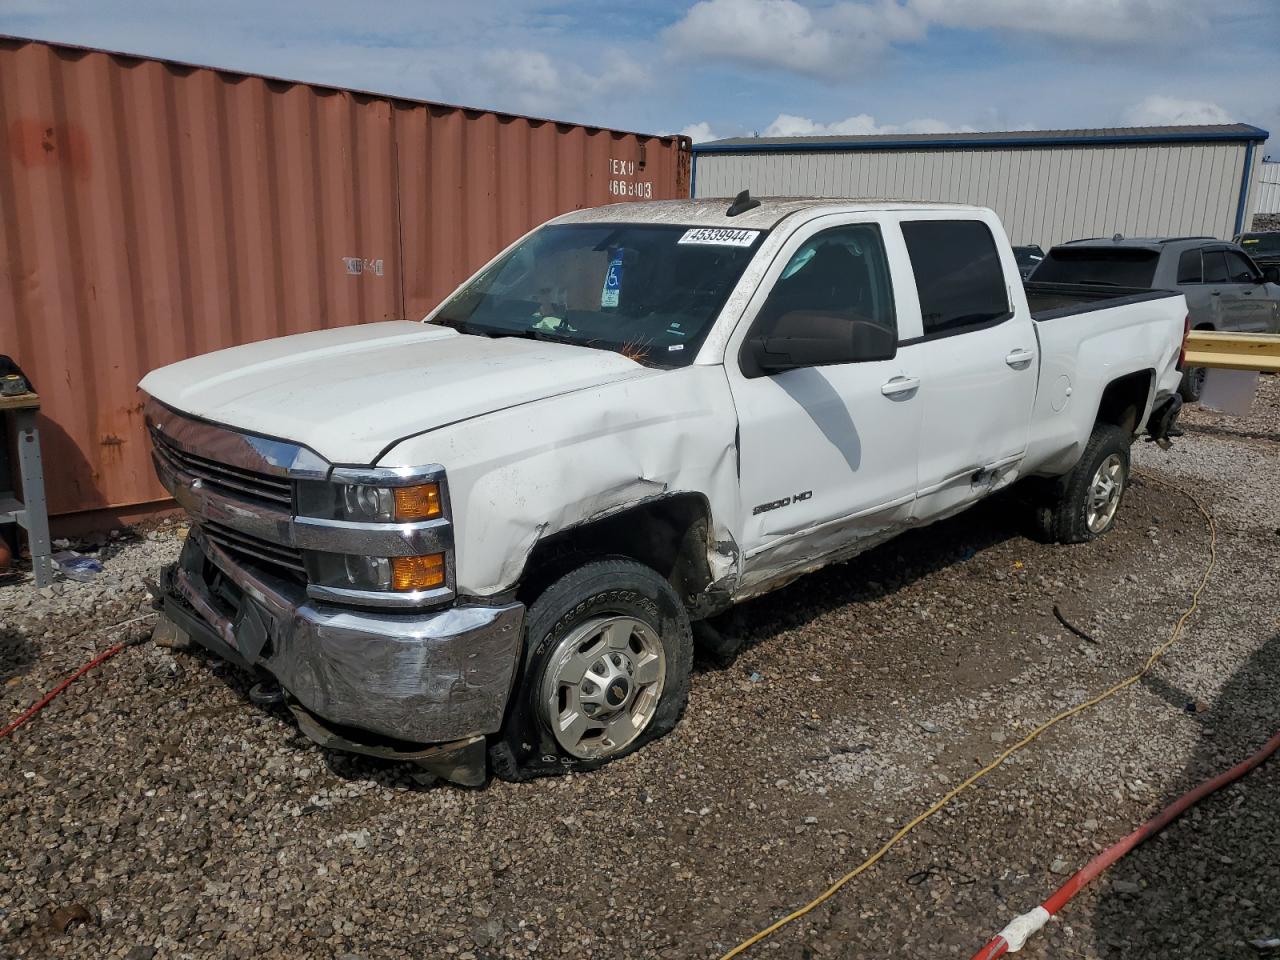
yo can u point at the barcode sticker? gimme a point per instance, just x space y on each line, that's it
720 236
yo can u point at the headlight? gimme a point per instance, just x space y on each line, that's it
365 503
346 571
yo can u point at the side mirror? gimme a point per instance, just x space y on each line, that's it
805 339
1271 274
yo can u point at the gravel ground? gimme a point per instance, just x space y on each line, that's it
159 814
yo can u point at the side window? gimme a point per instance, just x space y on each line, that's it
1239 268
958 274
1215 267
1189 267
840 275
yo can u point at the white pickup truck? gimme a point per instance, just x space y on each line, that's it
478 542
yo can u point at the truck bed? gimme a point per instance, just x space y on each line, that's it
1049 301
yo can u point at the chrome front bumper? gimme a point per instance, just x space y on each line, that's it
428 677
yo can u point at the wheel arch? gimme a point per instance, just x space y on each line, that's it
670 533
1126 400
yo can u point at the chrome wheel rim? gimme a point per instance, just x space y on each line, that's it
602 685
1104 493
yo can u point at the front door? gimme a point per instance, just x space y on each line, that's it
1251 307
827 451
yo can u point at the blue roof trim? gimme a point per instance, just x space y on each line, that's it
1254 135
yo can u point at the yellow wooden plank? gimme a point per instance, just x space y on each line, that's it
1234 351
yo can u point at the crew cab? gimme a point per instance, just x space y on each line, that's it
478 542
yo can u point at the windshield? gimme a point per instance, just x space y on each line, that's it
649 292
1261 244
1101 266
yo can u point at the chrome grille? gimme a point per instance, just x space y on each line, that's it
234 480
262 553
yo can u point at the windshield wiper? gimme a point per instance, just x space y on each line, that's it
526 334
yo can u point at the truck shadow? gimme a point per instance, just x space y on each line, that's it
390 774
1210 883
879 572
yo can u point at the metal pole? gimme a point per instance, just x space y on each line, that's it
36 511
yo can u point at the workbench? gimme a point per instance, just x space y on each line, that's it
31 512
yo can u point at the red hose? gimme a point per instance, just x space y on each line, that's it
999 946
48 697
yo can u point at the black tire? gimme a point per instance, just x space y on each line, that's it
1062 514
1192 384
525 747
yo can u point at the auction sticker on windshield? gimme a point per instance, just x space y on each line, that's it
720 236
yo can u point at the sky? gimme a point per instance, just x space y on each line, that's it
721 68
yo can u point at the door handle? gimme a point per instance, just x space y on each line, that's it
1216 293
1019 357
900 385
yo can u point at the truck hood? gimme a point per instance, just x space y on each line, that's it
351 392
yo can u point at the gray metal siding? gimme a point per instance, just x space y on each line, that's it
1266 195
1044 195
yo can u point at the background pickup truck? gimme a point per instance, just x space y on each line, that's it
1225 289
479 542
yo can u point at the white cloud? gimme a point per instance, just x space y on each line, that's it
699 132
783 34
788 125
1159 110
530 81
837 39
1098 21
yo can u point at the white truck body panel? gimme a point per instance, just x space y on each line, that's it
350 392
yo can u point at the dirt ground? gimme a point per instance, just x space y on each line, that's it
188 823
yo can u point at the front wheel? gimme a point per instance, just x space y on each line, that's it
608 659
1084 504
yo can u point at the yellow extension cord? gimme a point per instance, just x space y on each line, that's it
1155 657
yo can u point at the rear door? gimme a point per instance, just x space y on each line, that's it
1203 306
977 360
1219 291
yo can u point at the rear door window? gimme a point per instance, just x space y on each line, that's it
958 275
1215 267
1189 267
1099 266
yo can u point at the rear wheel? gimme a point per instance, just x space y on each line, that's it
608 659
1084 504
1192 384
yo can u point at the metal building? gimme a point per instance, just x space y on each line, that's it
153 210
1047 185
1268 190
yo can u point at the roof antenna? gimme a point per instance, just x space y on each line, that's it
741 204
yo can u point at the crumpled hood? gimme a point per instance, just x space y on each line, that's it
351 392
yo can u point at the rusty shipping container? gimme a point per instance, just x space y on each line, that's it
151 211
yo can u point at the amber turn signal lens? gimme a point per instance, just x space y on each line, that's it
418 503
417 573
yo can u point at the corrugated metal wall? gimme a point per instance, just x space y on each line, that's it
1044 195
151 211
1266 197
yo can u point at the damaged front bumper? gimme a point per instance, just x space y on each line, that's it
426 687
